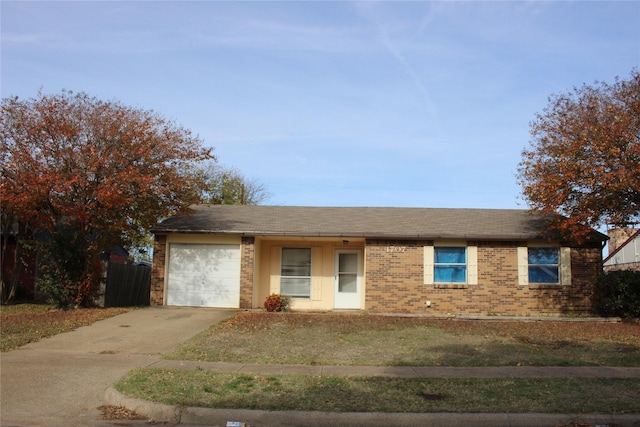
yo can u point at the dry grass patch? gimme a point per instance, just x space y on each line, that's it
340 339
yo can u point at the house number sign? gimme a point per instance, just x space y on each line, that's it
396 249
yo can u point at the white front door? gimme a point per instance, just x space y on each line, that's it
348 286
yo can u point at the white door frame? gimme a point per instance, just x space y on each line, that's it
347 300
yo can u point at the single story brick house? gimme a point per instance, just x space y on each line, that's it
383 260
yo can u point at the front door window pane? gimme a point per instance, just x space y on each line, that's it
348 283
348 273
348 263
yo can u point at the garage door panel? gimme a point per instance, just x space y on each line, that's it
204 275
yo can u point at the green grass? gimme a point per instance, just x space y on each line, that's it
329 339
25 323
381 394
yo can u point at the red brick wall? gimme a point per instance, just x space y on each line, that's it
157 270
395 284
247 265
394 276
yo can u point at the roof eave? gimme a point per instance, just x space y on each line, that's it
445 236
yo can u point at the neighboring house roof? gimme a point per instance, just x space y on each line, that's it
621 248
369 222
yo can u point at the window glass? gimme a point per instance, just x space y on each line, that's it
450 264
295 273
348 263
544 265
348 283
450 255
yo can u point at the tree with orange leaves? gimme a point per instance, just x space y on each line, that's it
584 159
81 175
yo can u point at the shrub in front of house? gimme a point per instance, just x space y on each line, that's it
617 293
276 302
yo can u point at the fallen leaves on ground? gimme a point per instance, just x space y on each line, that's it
119 413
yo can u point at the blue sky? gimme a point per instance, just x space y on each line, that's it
423 104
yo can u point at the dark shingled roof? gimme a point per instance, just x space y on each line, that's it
369 222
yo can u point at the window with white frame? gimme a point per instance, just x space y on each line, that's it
446 263
544 265
295 272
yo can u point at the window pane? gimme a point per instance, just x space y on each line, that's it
296 262
456 255
544 265
295 276
295 270
543 256
348 283
450 274
295 286
543 274
348 263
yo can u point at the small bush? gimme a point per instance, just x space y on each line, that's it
617 293
276 302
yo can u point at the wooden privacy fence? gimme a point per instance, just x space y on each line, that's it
127 285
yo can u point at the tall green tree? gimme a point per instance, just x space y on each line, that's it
584 157
86 174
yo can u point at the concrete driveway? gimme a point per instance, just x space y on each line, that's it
60 381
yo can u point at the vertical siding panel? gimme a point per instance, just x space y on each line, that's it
316 273
274 278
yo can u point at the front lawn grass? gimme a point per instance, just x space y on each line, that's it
360 339
381 394
25 323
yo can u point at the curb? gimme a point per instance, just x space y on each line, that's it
157 412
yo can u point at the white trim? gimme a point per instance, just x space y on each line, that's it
316 273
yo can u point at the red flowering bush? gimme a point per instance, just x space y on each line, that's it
276 302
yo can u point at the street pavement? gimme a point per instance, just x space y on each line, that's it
62 380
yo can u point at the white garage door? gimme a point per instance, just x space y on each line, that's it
204 275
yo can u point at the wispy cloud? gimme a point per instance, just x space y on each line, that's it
387 31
